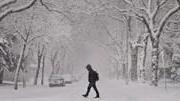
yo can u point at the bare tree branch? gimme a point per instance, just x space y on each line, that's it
6 3
162 2
22 37
18 32
34 38
55 10
116 18
15 10
130 2
2 49
157 8
144 4
118 46
149 6
144 20
122 11
53 59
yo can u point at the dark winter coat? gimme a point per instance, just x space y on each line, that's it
93 76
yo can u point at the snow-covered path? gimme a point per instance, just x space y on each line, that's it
110 91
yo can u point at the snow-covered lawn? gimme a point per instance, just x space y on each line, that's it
111 90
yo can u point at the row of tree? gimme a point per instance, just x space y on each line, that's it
24 41
153 18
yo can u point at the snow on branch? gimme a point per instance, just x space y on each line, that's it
145 21
6 3
162 2
167 16
134 13
122 11
130 12
17 9
136 44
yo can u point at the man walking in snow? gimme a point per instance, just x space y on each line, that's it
92 78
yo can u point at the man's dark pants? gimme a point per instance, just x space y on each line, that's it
92 84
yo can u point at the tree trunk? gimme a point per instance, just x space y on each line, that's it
127 51
134 57
1 76
18 67
118 71
155 61
43 63
144 55
24 79
127 74
145 51
37 71
124 71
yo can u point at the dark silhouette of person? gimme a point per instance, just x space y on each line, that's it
92 78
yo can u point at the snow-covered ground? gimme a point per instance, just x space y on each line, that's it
111 90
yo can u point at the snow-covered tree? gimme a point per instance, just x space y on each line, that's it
41 49
150 14
25 30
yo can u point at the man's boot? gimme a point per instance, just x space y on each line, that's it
85 95
97 96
